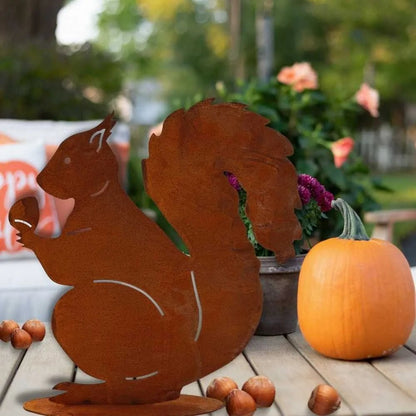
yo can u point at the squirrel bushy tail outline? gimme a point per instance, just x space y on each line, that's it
187 163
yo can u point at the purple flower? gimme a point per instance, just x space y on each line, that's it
312 184
233 180
325 201
307 181
304 193
316 190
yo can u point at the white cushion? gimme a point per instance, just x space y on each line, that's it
19 165
54 132
26 292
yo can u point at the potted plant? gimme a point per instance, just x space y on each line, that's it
280 281
320 128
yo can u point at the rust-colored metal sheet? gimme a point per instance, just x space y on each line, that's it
185 405
142 316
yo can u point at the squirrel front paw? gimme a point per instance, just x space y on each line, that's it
24 216
27 238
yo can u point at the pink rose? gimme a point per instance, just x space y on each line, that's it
287 75
368 98
341 149
300 76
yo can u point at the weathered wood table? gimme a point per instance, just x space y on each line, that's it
377 387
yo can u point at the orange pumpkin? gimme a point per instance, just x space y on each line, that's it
356 296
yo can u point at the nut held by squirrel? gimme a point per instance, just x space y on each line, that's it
324 400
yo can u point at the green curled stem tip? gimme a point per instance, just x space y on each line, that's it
353 226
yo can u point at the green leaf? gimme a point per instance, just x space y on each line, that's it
307 166
336 175
378 184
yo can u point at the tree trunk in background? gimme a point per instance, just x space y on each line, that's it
26 21
265 39
235 56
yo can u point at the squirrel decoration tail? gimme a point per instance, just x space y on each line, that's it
184 175
195 152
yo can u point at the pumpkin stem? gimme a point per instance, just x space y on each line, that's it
353 226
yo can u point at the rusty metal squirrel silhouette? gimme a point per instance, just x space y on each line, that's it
142 316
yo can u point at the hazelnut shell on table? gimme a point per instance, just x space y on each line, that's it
261 389
6 329
35 328
220 387
21 339
240 403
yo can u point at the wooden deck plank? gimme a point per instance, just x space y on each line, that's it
411 342
293 377
9 361
82 377
240 371
366 390
44 365
400 368
382 387
193 389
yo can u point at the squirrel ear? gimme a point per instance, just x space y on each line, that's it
102 134
97 138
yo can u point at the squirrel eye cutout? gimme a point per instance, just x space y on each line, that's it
67 160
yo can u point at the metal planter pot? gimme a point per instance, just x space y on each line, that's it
280 287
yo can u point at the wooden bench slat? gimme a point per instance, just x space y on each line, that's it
82 377
292 375
411 342
380 387
390 216
44 365
364 388
400 368
193 389
10 359
384 221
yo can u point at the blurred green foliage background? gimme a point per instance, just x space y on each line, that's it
201 48
190 45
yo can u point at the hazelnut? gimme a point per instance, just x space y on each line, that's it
240 403
6 329
324 400
220 387
35 328
21 339
261 389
